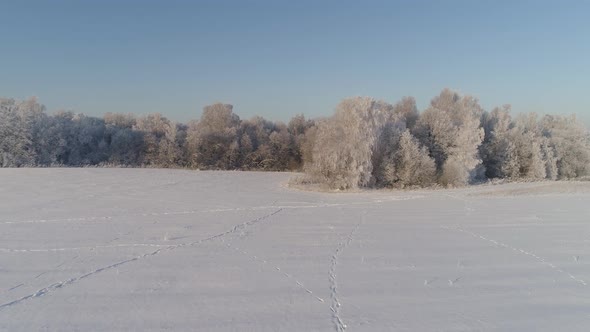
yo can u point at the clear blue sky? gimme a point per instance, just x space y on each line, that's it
280 58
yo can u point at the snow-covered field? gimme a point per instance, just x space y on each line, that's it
140 250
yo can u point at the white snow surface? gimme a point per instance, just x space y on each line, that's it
153 250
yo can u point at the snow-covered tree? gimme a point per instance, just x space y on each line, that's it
125 144
344 146
254 143
19 123
383 158
158 138
510 167
407 110
307 145
365 143
550 157
498 150
450 129
170 147
568 140
298 127
214 136
409 165
526 136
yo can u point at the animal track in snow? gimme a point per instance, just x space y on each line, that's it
454 281
335 308
188 212
427 282
278 269
519 251
7 250
61 284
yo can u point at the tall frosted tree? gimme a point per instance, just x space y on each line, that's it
342 154
213 137
567 138
409 164
125 144
388 143
407 110
170 146
19 126
158 137
526 136
450 129
550 158
298 128
498 150
254 143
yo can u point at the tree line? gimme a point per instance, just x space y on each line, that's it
218 140
365 143
454 142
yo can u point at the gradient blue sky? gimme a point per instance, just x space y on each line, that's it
280 58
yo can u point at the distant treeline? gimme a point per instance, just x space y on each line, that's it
366 143
219 140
